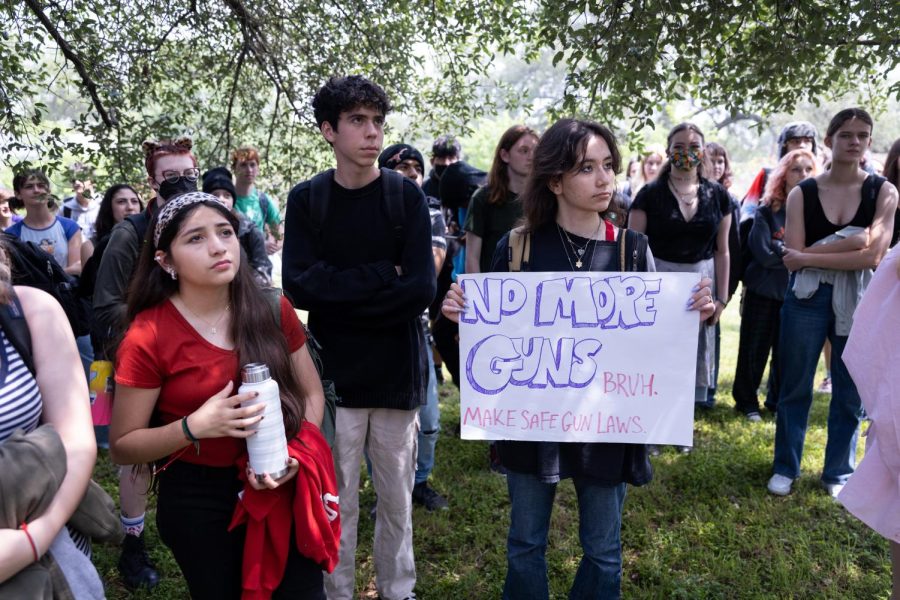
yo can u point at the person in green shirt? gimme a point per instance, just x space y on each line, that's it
495 209
253 203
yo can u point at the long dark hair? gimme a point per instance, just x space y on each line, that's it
702 169
257 337
891 172
105 221
561 150
498 177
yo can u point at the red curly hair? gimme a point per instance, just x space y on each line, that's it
776 192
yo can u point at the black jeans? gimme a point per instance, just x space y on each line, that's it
193 510
760 324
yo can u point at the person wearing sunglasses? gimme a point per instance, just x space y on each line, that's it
171 171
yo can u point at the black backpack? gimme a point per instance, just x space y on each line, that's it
89 270
33 267
12 320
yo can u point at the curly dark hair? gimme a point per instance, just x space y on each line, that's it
341 94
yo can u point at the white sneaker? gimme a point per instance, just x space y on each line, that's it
780 485
754 417
834 489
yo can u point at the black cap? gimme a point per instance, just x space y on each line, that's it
458 182
395 154
219 179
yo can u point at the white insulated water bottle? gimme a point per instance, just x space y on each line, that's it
268 447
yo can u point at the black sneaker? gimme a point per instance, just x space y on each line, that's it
134 565
427 497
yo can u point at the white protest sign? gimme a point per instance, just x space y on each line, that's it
592 357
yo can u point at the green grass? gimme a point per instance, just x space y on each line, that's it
704 528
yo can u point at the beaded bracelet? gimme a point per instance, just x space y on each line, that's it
34 552
190 436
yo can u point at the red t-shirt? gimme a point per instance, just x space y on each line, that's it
162 350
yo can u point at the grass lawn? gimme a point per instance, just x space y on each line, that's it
705 527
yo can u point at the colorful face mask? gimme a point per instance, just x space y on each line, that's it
685 160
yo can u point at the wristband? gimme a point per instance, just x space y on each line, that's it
34 552
190 436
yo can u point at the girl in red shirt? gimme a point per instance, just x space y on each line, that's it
195 316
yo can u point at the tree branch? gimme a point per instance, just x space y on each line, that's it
734 118
272 123
88 82
255 40
234 85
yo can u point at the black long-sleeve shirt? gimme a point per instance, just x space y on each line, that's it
361 311
766 274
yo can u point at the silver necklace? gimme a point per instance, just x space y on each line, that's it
213 327
576 250
685 198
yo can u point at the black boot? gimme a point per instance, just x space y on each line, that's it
134 565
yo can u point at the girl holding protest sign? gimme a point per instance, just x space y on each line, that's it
567 202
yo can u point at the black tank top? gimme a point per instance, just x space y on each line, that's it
815 222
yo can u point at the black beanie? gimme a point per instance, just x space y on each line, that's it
395 154
219 179
459 182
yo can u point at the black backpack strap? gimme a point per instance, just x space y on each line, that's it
141 224
392 188
319 196
12 319
632 250
518 249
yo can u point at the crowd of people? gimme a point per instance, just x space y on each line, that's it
180 297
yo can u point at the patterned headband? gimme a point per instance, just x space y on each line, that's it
173 207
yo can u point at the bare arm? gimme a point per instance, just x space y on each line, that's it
74 263
722 258
473 253
439 255
310 385
132 442
87 250
721 262
637 220
857 241
66 406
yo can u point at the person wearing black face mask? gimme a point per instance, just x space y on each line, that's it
175 183
444 152
171 171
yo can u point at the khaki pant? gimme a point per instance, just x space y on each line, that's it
389 437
